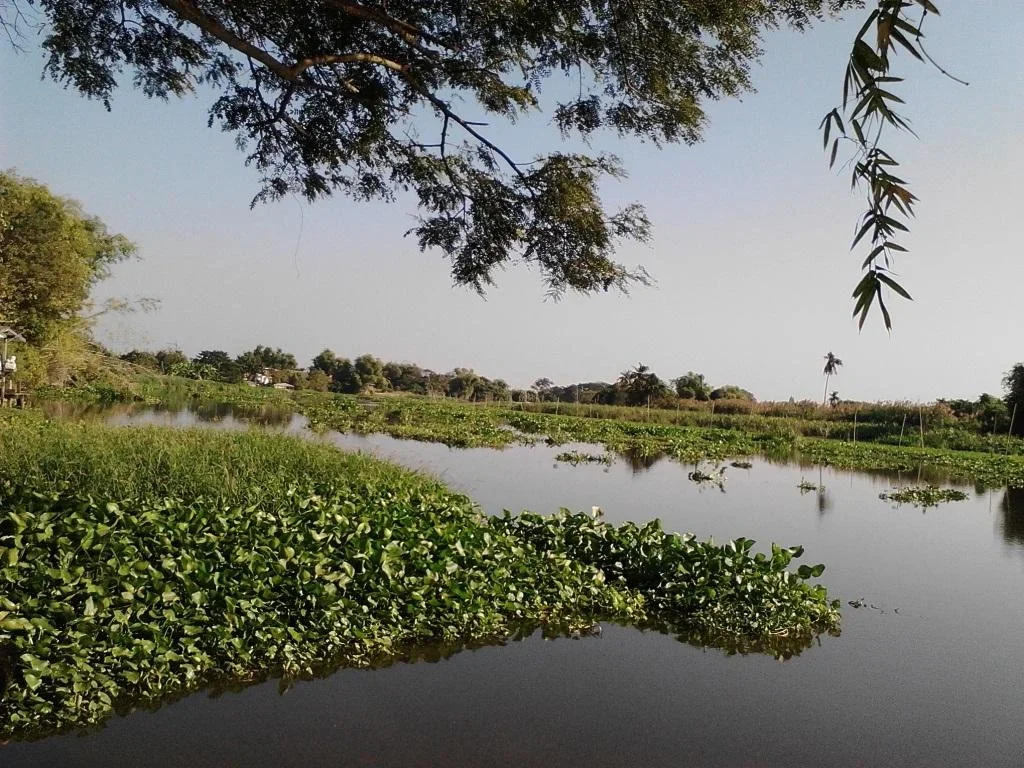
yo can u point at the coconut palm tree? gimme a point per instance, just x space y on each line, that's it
832 364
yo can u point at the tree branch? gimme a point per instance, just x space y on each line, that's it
410 33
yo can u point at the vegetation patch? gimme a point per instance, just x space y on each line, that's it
923 496
141 563
496 425
581 457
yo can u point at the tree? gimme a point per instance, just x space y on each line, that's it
226 369
834 400
831 369
1014 384
541 387
731 392
373 99
168 358
692 386
463 383
263 357
51 254
370 371
640 385
142 359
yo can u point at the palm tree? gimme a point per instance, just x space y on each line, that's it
833 399
832 364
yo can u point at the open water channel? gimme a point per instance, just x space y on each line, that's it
929 671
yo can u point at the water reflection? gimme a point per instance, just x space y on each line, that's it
1012 516
934 683
184 412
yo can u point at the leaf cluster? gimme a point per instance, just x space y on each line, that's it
868 108
377 99
110 598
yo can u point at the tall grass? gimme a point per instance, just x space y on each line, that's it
154 462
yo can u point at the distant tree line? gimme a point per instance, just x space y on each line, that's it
994 414
636 386
366 374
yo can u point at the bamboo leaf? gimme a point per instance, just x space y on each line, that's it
894 285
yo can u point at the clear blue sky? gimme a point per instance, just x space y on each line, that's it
749 250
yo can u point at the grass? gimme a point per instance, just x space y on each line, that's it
636 432
137 564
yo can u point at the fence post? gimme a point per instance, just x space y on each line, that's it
904 426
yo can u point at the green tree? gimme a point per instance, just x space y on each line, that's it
170 357
262 357
832 364
991 413
692 386
327 362
346 380
1014 384
405 377
731 392
226 369
463 383
51 254
339 95
317 380
542 388
640 386
142 359
370 371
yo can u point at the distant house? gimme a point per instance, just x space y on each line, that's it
263 379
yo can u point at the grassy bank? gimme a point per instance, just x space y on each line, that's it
140 563
636 432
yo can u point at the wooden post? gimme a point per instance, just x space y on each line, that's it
855 427
1012 419
920 416
902 428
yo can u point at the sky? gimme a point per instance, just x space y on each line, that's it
750 248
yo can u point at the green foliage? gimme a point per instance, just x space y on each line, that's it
924 496
137 563
377 99
731 392
261 357
51 253
1014 384
869 107
692 386
581 457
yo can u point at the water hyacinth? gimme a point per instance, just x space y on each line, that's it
122 587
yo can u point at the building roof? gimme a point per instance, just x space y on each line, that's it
6 332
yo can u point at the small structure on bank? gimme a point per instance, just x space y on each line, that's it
9 394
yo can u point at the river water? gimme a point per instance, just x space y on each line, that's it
929 671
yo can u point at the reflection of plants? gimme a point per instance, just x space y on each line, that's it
923 496
473 425
579 457
806 486
713 477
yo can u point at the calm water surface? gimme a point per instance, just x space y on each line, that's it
929 673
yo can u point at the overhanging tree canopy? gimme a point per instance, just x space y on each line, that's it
337 95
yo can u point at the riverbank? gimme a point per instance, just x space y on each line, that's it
139 563
495 425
